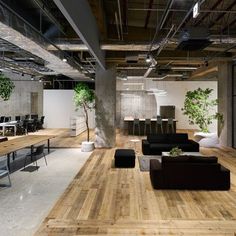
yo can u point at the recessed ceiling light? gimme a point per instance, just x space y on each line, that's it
148 59
64 59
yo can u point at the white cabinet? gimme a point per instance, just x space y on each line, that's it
77 125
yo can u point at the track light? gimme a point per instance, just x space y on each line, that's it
148 58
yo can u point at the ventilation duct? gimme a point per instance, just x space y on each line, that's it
194 38
21 34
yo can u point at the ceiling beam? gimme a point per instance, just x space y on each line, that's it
207 14
84 24
229 25
222 14
148 14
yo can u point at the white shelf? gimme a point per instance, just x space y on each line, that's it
77 125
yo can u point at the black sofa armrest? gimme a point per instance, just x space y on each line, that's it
156 174
195 145
145 147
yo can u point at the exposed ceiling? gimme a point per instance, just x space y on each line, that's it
129 31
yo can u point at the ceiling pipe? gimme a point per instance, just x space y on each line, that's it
55 61
148 14
120 19
117 25
185 18
162 22
162 45
49 15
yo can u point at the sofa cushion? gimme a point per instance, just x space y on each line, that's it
178 138
200 159
168 159
162 146
158 138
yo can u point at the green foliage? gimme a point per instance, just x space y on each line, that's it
6 87
198 107
84 97
175 152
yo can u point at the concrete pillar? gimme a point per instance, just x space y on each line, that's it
225 101
105 110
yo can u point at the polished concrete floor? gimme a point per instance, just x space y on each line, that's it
24 205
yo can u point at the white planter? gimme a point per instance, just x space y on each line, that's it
207 139
87 146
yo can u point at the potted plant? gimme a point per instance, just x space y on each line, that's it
174 152
6 87
198 107
84 97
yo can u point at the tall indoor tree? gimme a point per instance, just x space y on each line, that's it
199 108
84 97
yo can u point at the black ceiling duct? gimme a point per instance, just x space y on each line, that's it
194 38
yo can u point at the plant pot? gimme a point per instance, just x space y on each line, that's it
87 146
207 139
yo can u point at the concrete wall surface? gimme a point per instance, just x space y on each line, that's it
20 100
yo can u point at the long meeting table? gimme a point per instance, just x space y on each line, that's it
128 124
11 146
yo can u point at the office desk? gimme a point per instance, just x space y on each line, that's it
129 124
8 124
11 146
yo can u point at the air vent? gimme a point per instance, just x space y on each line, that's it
194 38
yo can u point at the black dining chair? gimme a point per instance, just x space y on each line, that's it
147 126
34 116
170 126
136 124
4 171
2 118
7 119
40 123
39 152
159 125
17 118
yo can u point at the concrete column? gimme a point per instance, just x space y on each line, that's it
105 110
225 101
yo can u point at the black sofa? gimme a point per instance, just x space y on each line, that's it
157 143
189 172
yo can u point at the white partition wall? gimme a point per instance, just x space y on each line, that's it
58 108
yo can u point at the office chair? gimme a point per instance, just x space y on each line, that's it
37 153
4 170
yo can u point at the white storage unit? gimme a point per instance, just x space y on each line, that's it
77 125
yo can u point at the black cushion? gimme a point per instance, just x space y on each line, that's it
125 158
178 138
167 159
200 159
124 152
158 138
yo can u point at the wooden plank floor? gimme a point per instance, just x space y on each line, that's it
103 200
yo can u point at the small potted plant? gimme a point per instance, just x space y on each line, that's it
174 152
84 97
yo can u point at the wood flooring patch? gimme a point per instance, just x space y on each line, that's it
102 200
